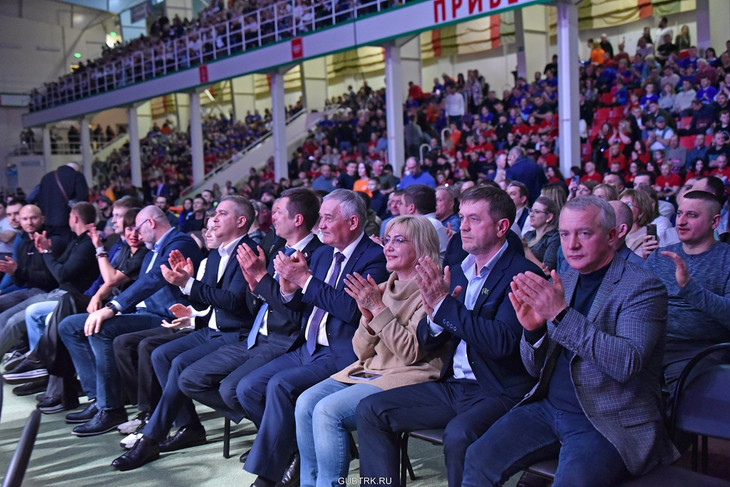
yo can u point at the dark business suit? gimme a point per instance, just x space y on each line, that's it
213 379
54 201
616 371
268 394
528 172
465 408
93 356
227 299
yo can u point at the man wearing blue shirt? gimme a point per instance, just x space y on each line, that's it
415 176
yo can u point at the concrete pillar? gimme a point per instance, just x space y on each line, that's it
719 22
134 153
394 105
278 114
244 96
411 64
568 141
703 24
47 152
520 44
182 103
196 138
86 149
314 83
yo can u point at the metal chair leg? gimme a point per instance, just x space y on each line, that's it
226 438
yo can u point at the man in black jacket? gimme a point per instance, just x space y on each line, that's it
74 270
57 191
27 269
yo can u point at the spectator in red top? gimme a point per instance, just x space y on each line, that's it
520 127
667 183
414 91
616 156
722 171
547 158
590 173
697 170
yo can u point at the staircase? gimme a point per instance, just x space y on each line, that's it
237 168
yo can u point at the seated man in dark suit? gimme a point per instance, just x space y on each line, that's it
484 377
324 345
213 379
223 290
594 337
89 337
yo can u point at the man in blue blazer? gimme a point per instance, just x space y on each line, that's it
324 345
595 338
525 170
226 319
143 305
213 380
469 308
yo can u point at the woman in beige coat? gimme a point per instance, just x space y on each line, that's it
387 348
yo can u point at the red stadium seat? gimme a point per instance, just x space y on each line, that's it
607 99
687 141
685 122
602 114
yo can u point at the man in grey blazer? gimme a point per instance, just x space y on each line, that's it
594 337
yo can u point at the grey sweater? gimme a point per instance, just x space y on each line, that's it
701 310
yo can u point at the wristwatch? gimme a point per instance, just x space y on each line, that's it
560 316
112 307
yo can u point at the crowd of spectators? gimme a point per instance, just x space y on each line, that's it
221 29
639 283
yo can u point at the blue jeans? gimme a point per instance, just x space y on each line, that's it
325 413
536 432
35 320
93 356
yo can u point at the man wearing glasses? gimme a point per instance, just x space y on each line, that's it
143 305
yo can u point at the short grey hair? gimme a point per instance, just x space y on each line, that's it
606 218
350 205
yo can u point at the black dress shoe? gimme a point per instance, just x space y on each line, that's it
187 436
144 451
26 371
103 421
31 388
83 416
51 405
291 474
244 456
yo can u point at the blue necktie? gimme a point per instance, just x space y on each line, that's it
319 313
254 333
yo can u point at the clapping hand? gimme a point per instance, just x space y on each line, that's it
433 285
41 241
180 269
253 266
366 293
293 271
536 300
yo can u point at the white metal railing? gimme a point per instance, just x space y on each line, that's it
273 23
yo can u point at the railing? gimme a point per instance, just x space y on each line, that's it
264 26
220 167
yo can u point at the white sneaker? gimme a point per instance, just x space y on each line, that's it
131 426
129 440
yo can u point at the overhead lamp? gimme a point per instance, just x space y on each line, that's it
77 55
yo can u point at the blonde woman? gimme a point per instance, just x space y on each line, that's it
388 353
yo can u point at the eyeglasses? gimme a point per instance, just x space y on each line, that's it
138 228
540 212
396 241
